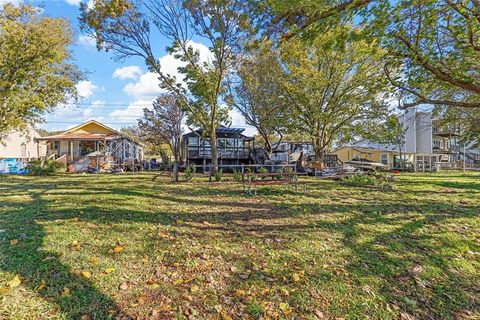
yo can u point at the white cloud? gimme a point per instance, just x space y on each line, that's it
14 2
128 72
73 2
85 88
87 41
147 85
97 104
133 112
238 121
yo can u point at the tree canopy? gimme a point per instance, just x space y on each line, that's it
35 72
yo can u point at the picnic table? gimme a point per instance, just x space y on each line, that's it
276 178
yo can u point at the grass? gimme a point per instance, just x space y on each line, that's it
124 246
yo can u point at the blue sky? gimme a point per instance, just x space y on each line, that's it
114 93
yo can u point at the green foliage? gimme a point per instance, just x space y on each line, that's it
263 170
189 172
255 310
49 167
368 179
334 84
259 95
125 28
34 66
237 175
217 175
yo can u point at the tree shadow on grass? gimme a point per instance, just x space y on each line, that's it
388 256
42 271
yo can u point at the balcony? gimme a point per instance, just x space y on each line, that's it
443 150
195 152
446 131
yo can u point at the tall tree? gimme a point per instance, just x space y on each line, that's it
257 93
35 73
433 46
333 84
163 124
124 26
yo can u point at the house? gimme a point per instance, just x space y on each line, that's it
16 149
369 150
91 144
234 147
291 151
424 135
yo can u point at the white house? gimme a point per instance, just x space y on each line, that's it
20 145
424 136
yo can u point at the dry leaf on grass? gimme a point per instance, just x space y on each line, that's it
14 242
15 282
65 292
86 274
109 270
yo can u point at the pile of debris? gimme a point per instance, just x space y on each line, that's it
336 173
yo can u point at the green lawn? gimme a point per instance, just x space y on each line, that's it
106 246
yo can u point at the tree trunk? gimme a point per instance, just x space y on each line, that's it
319 149
214 150
268 150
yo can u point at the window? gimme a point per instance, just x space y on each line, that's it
384 158
193 141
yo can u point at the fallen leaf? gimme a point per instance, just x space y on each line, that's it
319 314
14 242
239 293
86 274
75 219
124 286
4 290
75 244
109 270
94 260
65 292
194 288
41 286
117 249
225 316
295 277
15 282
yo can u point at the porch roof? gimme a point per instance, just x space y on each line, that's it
80 136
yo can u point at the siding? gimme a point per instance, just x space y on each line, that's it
19 145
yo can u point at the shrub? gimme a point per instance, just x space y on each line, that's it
263 170
217 175
237 175
189 171
49 167
374 179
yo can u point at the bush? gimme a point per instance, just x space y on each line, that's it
49 167
189 171
217 175
263 170
374 179
237 175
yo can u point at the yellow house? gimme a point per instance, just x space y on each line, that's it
91 139
366 149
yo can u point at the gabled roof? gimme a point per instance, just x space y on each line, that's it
90 122
90 130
